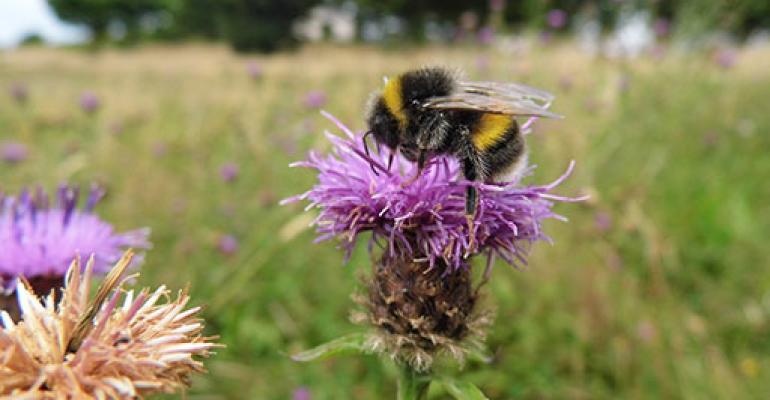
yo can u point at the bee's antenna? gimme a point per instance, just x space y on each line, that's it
366 150
390 159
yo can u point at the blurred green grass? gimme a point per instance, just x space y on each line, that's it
658 287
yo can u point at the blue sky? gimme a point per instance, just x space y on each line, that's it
19 18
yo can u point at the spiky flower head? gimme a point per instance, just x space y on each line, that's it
420 296
40 238
423 220
122 345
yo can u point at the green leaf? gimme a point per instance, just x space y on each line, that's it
462 390
348 344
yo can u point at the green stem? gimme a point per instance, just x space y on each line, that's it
412 385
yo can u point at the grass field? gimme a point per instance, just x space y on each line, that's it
658 287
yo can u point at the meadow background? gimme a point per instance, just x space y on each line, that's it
657 287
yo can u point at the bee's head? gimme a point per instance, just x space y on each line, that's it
384 126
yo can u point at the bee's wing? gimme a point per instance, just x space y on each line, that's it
496 98
506 89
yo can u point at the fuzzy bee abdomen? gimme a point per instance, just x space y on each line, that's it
501 146
490 130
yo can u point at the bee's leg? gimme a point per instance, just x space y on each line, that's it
471 201
421 158
435 134
366 150
390 159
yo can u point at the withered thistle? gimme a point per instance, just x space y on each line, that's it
121 345
420 298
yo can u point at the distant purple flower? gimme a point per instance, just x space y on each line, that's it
425 219
19 92
726 57
41 239
89 102
159 149
315 99
602 221
229 171
496 5
662 27
301 393
254 70
486 35
556 18
227 244
13 152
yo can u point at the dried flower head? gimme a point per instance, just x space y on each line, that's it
422 313
39 239
101 349
424 220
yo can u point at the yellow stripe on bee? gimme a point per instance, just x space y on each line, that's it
392 95
490 130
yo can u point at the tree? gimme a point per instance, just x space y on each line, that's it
261 25
97 15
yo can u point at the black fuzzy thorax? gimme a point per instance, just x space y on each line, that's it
417 87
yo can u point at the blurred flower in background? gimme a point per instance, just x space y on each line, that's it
145 344
486 35
39 239
315 99
301 393
19 92
662 27
254 69
89 102
229 172
227 244
556 18
13 152
725 57
496 5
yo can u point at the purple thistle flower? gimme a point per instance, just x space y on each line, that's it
254 70
556 18
662 27
19 93
227 244
315 99
40 239
13 152
425 220
89 102
726 57
229 171
301 393
496 5
486 35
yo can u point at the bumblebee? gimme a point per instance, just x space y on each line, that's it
431 111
